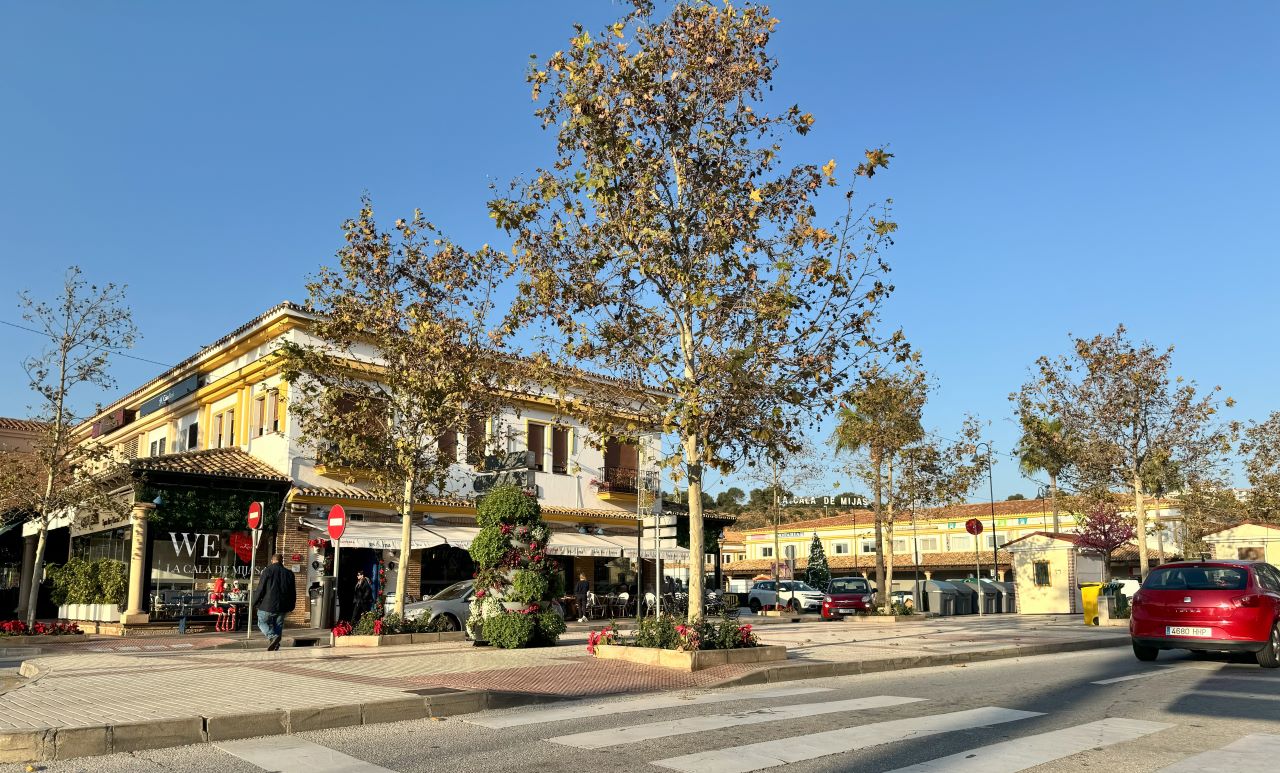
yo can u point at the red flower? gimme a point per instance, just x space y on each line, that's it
377 627
480 593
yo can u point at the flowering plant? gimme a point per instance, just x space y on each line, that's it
690 638
342 629
318 543
377 627
603 636
19 628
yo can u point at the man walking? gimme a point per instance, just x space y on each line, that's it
275 599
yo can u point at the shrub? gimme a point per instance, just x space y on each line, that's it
659 632
113 581
507 504
511 630
367 625
104 581
488 548
550 626
528 587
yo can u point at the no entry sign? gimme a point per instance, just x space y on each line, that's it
337 522
255 515
973 526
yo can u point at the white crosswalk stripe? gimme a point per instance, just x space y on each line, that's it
1032 750
1253 752
583 710
291 754
617 736
768 754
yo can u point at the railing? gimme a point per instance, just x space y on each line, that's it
625 480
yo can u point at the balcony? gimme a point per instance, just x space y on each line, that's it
621 484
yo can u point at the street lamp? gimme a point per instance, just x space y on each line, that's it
1041 490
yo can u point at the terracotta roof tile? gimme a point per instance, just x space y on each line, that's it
21 425
215 463
355 493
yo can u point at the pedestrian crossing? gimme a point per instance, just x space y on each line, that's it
866 729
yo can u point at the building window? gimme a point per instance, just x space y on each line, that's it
996 539
841 548
273 411
157 447
560 450
959 542
726 558
477 442
193 436
899 546
868 546
1042 572
266 414
766 552
1022 521
537 445
224 428
952 525
928 544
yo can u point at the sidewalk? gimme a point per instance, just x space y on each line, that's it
294 687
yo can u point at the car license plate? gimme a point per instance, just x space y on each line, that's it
845 611
1182 630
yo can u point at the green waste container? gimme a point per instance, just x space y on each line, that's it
1089 595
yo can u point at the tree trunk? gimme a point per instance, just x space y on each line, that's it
876 462
406 540
1053 497
888 559
1106 567
697 545
37 572
1140 516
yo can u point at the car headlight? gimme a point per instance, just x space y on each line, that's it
826 599
866 599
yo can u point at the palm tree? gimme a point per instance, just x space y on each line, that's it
1043 448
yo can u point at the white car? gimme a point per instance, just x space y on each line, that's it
796 596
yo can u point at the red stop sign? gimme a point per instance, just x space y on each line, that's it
255 515
973 526
337 522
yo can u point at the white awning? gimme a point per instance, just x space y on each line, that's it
379 536
567 543
628 545
454 536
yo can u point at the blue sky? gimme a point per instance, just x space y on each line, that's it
1058 167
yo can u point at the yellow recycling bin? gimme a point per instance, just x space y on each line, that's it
1089 594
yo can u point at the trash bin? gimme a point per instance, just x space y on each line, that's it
1008 596
322 598
984 593
1089 597
966 600
939 597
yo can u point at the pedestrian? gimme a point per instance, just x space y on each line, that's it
580 592
275 599
363 599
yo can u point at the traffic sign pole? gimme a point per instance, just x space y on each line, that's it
337 527
974 527
255 522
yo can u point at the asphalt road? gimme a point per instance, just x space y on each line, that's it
1100 710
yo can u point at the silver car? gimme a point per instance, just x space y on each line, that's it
453 604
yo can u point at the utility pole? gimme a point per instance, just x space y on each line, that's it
991 488
777 556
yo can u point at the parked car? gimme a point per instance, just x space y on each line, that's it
796 596
1209 606
453 604
847 596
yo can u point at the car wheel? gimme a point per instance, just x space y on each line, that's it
754 604
1145 654
1269 656
450 623
793 607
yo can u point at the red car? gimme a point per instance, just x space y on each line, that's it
846 596
1209 606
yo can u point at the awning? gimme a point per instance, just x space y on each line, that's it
628 545
574 544
454 536
379 536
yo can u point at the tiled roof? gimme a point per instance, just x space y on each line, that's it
361 495
867 562
21 425
214 463
1124 553
1243 523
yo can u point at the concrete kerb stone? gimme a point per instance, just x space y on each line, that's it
451 704
324 717
393 710
231 727
157 734
71 742
26 745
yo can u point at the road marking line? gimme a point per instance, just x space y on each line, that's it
769 754
581 710
1252 752
290 754
1253 696
1032 750
617 736
1144 674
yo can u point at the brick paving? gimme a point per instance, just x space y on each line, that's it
81 686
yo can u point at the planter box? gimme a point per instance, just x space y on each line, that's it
691 661
98 613
398 639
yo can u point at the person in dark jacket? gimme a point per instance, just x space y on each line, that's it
580 592
362 601
275 599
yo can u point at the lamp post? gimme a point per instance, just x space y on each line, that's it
991 488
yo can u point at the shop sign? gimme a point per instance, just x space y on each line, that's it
88 522
203 554
840 500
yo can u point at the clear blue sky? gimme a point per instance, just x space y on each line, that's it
1060 167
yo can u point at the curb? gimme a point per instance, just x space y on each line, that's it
793 671
60 743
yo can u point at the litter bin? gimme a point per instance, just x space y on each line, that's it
1008 596
966 600
939 597
984 593
322 598
1089 597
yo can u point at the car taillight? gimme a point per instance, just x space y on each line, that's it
1136 600
1246 601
